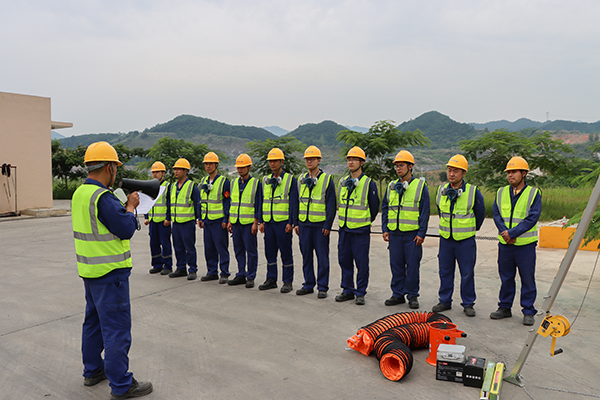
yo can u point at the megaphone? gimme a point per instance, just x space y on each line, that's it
150 188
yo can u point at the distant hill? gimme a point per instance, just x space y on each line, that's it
357 129
521 123
55 135
321 134
583 127
276 130
443 131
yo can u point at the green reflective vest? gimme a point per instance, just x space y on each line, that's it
461 223
403 214
242 206
211 203
513 217
312 202
276 204
158 212
98 250
354 208
182 206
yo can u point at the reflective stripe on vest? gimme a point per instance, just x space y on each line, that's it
276 205
182 207
98 250
158 212
461 223
211 203
513 217
354 209
403 215
242 207
312 202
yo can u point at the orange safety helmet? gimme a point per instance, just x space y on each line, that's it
312 151
182 163
404 156
101 151
517 163
158 167
275 154
211 157
458 161
357 152
243 160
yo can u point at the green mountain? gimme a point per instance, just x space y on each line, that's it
321 134
521 123
583 127
443 131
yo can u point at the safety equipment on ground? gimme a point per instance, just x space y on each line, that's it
101 151
312 151
404 156
158 166
517 163
452 193
441 333
182 163
458 161
350 183
243 160
308 181
150 187
207 187
400 187
357 152
555 326
211 157
275 154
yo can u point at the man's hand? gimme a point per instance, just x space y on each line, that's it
224 225
506 237
254 229
297 230
167 222
262 228
146 222
230 227
288 228
326 232
200 224
386 236
133 200
418 240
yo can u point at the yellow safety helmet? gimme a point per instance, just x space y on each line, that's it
182 163
243 160
404 156
211 157
458 161
275 154
517 163
101 151
158 167
357 152
312 151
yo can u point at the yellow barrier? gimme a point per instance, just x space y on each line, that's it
558 238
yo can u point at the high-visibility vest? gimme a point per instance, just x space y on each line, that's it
461 222
158 212
243 207
182 206
312 202
403 214
98 250
276 204
354 208
211 203
512 217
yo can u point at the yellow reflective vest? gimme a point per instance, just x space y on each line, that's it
243 204
182 206
312 202
403 215
354 208
211 203
276 204
158 212
513 217
461 222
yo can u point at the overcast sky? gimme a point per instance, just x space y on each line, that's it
119 65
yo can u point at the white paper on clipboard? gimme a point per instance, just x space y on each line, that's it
147 202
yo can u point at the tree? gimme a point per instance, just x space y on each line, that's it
290 146
67 164
381 141
125 155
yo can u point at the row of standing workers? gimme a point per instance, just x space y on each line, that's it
280 204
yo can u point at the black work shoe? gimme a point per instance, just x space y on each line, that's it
192 276
238 280
137 389
469 311
155 270
500 313
302 291
393 301
207 278
269 284
92 380
528 319
223 279
287 287
439 307
250 283
178 272
165 271
322 294
344 297
413 302
360 300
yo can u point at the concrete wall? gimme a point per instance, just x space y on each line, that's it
25 142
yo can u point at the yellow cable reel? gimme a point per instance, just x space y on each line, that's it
555 326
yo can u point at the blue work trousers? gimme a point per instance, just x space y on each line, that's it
312 240
216 249
405 263
160 245
107 326
465 253
245 246
277 239
184 243
511 258
353 248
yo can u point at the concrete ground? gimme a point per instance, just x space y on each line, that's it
202 340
